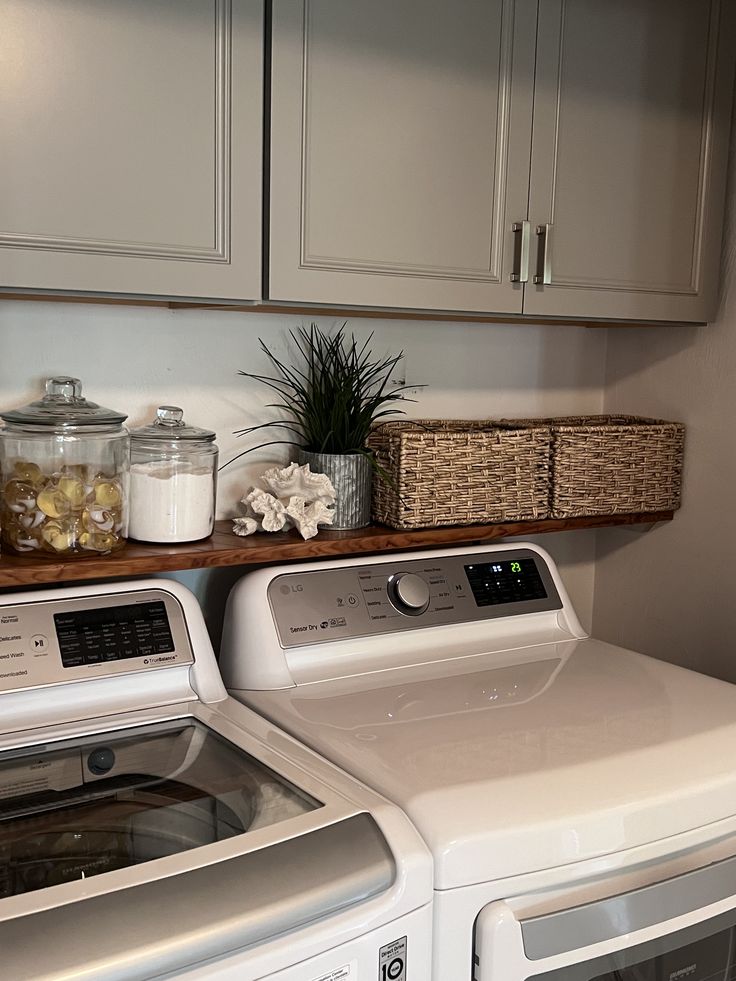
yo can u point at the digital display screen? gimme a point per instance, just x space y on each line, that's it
494 583
113 634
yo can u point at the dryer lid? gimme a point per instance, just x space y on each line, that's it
529 759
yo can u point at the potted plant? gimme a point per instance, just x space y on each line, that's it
331 397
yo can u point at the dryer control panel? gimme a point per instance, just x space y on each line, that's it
50 641
335 604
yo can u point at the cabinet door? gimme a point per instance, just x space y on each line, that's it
400 151
631 123
132 146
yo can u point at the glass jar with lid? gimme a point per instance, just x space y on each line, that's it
173 479
63 474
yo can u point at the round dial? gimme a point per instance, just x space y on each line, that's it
408 593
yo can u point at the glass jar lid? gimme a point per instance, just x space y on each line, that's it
169 425
63 407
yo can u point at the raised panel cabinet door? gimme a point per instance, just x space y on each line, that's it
631 125
400 137
131 146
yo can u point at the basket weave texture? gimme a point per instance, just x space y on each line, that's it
447 472
612 464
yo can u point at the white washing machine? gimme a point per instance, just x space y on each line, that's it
579 799
152 827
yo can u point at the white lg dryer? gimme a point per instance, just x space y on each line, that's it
579 799
152 827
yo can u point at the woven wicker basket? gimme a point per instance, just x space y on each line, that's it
612 464
448 472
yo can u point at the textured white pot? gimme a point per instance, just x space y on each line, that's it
351 475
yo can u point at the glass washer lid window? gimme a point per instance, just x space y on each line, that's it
100 803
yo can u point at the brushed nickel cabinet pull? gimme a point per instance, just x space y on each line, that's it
544 255
522 232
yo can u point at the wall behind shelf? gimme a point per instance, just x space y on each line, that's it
135 358
671 593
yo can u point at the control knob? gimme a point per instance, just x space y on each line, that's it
408 593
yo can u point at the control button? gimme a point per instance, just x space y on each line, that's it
408 593
352 599
39 644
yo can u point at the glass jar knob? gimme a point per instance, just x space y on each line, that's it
63 388
170 416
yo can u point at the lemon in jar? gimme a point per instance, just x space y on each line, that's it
98 541
19 496
78 470
73 490
28 472
108 494
53 503
59 537
18 537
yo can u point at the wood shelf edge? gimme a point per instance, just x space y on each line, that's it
226 549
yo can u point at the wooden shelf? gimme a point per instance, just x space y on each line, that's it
226 549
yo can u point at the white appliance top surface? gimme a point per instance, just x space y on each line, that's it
513 762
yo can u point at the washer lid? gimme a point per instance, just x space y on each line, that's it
172 923
260 856
85 806
525 760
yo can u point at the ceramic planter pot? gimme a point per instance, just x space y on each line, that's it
351 475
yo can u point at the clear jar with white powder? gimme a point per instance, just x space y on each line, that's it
173 480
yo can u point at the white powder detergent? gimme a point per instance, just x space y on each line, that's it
171 502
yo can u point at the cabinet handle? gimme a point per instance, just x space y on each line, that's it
521 230
544 255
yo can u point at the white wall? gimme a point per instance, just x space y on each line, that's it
672 592
135 358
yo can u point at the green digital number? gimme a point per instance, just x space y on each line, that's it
516 566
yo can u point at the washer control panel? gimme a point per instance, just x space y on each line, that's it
50 641
315 607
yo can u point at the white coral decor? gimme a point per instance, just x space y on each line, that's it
294 497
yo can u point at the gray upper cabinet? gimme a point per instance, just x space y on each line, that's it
631 123
132 139
412 141
416 147
400 140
